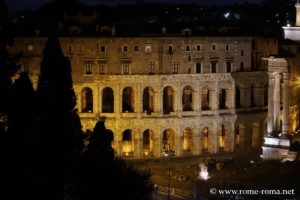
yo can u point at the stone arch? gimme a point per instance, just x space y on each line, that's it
222 98
168 139
127 143
222 135
187 99
237 97
107 100
205 98
168 100
148 100
252 96
148 142
187 140
86 100
127 100
237 136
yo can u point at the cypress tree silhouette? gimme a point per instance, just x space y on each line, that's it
8 68
101 175
22 121
59 128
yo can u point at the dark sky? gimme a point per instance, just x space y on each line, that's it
33 4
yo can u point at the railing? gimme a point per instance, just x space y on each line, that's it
174 192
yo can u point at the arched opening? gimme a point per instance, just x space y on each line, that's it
148 142
237 97
168 140
222 99
187 99
204 135
237 137
107 100
168 100
252 100
187 140
148 104
265 95
222 137
86 100
127 100
127 146
205 99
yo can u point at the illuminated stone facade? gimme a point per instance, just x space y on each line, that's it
193 94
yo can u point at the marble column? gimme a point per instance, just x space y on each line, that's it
270 104
277 102
286 104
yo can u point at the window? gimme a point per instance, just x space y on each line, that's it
148 48
170 49
174 67
187 48
228 66
213 47
242 67
70 48
30 47
88 68
227 47
214 66
102 67
151 67
198 68
242 52
198 47
126 68
103 49
136 48
125 48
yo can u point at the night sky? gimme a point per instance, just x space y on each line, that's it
33 4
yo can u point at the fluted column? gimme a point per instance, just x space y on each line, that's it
270 104
286 104
277 102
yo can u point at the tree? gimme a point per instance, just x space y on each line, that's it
103 175
58 126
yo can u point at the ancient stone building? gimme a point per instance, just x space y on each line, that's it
191 94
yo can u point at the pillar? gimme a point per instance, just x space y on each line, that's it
118 142
213 139
243 97
297 5
138 144
157 149
197 146
178 142
270 104
276 93
117 101
96 99
286 104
